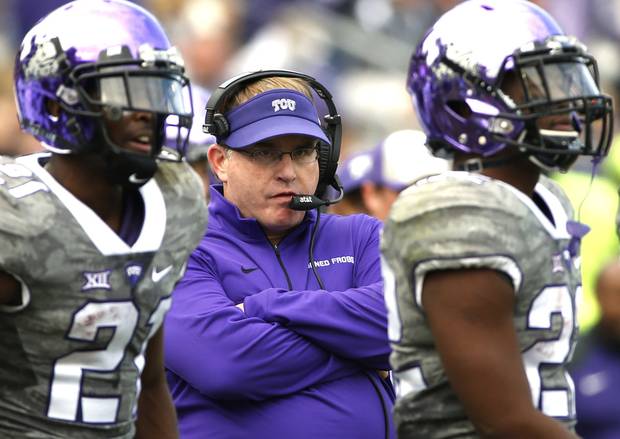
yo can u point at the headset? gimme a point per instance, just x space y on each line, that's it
217 125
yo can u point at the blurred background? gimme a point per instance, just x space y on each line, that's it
360 50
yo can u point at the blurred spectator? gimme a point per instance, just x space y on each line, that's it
598 209
7 32
262 13
372 103
405 20
208 33
373 179
596 367
12 141
198 142
589 20
597 22
595 201
362 67
26 13
167 11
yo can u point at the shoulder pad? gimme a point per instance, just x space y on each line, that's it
457 221
24 200
179 177
558 192
460 190
184 193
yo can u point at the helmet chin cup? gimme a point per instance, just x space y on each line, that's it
129 170
550 162
562 149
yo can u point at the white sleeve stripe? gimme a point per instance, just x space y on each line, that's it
501 263
557 231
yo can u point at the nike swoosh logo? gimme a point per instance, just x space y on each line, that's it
156 276
248 270
133 178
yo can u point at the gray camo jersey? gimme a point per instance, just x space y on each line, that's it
72 352
457 221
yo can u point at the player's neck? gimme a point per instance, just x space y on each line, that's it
87 182
523 178
517 170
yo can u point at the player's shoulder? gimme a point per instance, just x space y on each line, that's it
25 202
184 196
179 178
457 190
553 188
458 220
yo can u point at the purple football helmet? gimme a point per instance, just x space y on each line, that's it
96 59
488 71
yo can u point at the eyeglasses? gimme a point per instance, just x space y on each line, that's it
270 156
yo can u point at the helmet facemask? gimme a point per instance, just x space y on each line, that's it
117 85
552 91
85 66
543 100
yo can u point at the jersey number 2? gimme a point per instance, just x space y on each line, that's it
552 300
67 393
557 402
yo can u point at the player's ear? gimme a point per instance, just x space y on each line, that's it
53 108
219 159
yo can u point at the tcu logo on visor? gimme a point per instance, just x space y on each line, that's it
283 104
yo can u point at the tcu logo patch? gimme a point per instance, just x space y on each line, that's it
283 104
133 272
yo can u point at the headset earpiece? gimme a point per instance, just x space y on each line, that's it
324 165
220 125
329 154
328 164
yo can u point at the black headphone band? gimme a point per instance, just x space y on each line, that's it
217 125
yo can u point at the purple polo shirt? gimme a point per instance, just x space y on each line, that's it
298 363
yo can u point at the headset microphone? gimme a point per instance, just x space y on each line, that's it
309 202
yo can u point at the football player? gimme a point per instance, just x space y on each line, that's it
95 233
198 142
372 180
481 268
